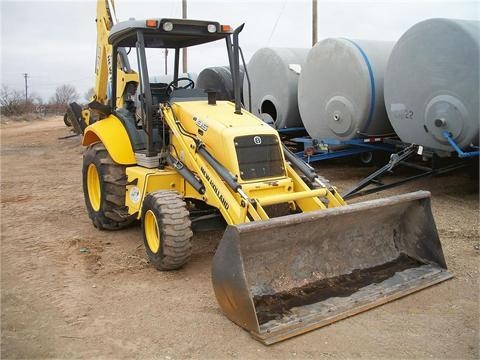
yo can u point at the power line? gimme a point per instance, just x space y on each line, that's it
276 21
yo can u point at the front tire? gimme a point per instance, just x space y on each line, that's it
166 229
104 184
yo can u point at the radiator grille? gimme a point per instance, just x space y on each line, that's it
259 156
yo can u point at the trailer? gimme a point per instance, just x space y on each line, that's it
436 165
369 150
387 153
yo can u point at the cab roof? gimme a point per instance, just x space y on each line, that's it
184 33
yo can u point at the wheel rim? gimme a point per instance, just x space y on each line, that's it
151 231
93 185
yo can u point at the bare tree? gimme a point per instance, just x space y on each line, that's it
64 95
12 102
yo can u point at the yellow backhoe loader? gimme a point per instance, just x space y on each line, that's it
294 255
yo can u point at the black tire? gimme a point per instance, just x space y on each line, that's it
105 204
66 120
374 158
74 117
166 229
366 158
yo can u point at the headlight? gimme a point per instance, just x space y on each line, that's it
167 26
211 28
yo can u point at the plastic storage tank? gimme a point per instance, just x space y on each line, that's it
219 78
340 91
274 76
432 84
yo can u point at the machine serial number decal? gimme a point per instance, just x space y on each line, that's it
201 124
215 189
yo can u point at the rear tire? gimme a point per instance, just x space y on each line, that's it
166 229
104 184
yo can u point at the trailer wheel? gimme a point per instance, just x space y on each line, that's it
166 229
104 189
374 158
366 158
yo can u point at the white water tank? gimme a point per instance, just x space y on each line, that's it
432 84
340 91
219 79
274 76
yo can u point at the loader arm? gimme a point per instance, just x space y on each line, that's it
238 201
217 193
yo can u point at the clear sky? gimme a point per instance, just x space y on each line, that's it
54 41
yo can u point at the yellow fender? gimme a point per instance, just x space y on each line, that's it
111 132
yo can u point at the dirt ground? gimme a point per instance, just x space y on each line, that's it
70 290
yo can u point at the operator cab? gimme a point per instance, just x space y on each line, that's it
175 34
165 34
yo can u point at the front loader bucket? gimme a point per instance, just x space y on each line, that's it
289 275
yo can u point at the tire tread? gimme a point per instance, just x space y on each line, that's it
175 225
113 214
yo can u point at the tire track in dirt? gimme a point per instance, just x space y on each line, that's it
50 262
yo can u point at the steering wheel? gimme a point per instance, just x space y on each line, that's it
174 85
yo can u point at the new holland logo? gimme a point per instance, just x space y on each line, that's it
257 140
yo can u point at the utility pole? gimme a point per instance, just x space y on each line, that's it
25 75
184 50
314 22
